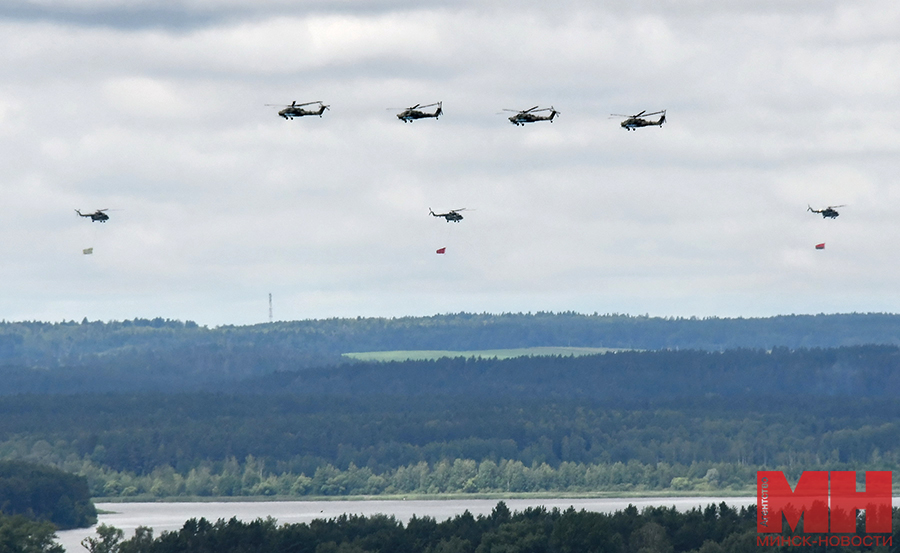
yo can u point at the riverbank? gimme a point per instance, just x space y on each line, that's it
170 516
642 494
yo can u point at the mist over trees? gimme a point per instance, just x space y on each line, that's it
156 408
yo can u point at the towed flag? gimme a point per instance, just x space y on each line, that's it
441 250
820 246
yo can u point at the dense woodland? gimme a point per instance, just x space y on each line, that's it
164 408
20 534
45 493
302 445
715 529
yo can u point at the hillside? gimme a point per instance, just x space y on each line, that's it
170 355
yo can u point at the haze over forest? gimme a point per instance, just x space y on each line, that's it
157 408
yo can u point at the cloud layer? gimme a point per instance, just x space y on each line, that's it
157 110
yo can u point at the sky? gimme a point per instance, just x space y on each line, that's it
156 110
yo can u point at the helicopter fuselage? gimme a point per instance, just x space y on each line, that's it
97 216
453 215
828 213
636 122
522 118
412 114
291 112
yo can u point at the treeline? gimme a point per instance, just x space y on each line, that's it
858 372
714 529
163 354
460 476
45 493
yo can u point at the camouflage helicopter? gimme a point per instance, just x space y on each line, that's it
296 110
412 113
528 115
452 215
828 213
632 122
98 216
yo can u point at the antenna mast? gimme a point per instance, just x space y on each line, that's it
270 307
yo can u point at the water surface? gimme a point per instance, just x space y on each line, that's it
171 516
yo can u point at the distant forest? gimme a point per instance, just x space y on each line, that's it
167 355
150 409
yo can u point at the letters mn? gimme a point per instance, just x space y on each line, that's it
810 498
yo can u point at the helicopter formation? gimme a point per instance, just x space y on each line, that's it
519 118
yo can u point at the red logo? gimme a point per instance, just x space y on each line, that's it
811 499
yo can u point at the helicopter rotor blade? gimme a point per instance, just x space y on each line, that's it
834 206
527 110
296 105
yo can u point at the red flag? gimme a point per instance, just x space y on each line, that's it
442 250
820 246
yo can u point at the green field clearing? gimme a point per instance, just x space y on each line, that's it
420 355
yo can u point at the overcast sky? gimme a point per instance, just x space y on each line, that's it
156 110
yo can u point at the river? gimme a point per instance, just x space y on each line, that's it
171 516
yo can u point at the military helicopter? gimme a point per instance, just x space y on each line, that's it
98 215
632 122
296 110
452 215
411 114
828 213
528 115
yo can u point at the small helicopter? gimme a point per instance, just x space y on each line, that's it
296 110
632 122
452 215
98 215
528 115
828 213
411 114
